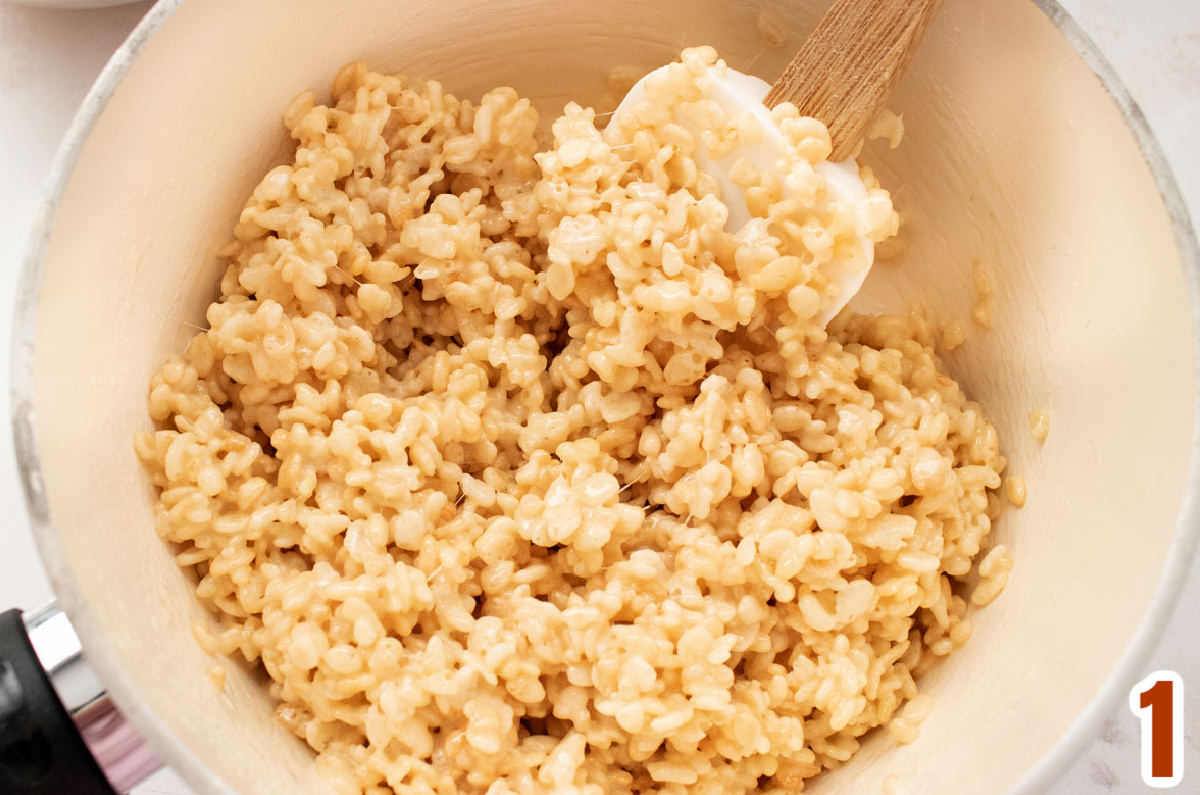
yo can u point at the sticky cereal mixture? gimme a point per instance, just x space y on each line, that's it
1039 424
985 288
517 472
889 126
1014 489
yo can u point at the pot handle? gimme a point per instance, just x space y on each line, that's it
59 731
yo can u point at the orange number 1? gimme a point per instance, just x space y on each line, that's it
1158 701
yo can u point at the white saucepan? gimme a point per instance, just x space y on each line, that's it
1023 151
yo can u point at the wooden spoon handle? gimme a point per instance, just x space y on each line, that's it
845 71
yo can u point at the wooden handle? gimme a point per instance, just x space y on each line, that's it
845 71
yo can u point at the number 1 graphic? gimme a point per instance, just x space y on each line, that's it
1158 701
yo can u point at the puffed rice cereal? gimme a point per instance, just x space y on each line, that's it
517 472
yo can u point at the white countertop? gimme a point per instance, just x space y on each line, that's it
48 59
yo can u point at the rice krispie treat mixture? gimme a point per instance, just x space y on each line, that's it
518 472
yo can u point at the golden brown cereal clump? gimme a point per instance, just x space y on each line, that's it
1039 424
518 472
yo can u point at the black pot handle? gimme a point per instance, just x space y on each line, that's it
49 703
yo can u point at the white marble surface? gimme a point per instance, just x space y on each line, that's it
49 57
